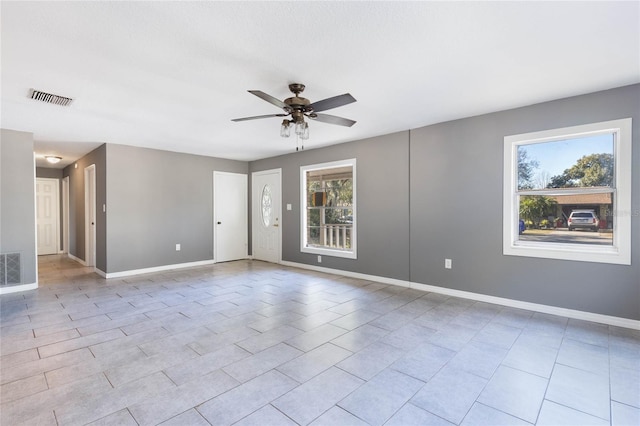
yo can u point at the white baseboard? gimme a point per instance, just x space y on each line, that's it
153 269
17 288
536 307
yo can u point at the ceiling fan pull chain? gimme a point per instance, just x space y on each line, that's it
298 143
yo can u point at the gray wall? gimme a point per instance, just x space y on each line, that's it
75 172
456 210
46 172
157 199
382 194
17 204
436 192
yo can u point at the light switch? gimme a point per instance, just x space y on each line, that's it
288 206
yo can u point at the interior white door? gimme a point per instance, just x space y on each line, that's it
47 215
90 215
265 215
230 215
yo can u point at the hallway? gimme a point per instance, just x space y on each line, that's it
59 268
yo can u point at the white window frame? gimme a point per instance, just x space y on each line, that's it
349 254
617 253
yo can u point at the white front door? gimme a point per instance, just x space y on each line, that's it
47 215
230 216
265 215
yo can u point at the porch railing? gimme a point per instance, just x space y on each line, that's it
334 235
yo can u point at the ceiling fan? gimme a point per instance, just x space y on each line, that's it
298 108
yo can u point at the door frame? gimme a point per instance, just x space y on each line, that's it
215 213
56 210
65 214
277 171
90 230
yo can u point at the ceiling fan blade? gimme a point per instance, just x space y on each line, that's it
255 117
275 101
332 119
335 102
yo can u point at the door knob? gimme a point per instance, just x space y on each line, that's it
219 223
275 224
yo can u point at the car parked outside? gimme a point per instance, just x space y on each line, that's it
583 219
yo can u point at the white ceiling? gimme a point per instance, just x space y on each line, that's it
172 75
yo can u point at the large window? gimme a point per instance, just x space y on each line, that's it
329 208
567 193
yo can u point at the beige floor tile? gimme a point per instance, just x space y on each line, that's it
257 343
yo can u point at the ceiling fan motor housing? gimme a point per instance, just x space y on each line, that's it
298 104
298 107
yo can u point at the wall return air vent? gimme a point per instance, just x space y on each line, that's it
50 98
10 269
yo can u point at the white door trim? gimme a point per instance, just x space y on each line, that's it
90 215
65 215
277 171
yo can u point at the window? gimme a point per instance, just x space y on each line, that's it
265 204
567 193
328 197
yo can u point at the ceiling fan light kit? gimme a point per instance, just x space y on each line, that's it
298 108
285 130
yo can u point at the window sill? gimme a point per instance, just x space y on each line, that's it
330 252
575 252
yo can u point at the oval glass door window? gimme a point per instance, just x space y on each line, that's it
266 206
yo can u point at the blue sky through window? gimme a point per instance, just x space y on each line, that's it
554 157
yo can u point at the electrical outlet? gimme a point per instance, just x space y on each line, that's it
177 247
447 263
319 259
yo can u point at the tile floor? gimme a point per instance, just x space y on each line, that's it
250 343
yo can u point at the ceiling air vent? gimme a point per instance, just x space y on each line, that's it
50 98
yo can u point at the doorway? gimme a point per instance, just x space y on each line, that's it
47 216
230 221
266 199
